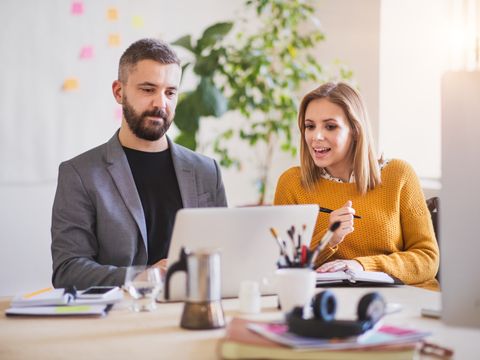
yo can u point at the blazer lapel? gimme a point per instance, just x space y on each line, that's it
122 176
185 176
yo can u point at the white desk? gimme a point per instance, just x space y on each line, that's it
139 336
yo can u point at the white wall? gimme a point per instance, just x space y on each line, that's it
413 56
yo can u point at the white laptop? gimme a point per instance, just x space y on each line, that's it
242 235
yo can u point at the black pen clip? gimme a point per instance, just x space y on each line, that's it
70 292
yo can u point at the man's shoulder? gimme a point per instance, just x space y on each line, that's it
89 157
191 156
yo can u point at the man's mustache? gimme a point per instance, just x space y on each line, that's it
156 113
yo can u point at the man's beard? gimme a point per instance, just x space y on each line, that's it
142 127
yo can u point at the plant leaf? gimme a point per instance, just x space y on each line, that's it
213 34
187 139
209 101
206 65
185 42
186 116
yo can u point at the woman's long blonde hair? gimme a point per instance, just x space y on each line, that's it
365 163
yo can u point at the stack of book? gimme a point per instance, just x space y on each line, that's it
247 339
60 302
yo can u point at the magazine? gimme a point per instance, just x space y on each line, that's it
381 335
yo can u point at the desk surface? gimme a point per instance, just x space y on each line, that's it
123 334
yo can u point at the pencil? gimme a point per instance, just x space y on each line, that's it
324 241
328 211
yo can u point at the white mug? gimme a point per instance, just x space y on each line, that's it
295 287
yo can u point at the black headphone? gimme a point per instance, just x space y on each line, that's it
371 308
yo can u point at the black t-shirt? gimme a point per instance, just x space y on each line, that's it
158 189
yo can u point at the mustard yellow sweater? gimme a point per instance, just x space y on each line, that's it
395 233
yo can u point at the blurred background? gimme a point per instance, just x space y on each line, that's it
59 58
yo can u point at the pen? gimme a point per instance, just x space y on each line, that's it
324 241
328 211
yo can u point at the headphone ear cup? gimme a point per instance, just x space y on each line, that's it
371 307
297 311
324 306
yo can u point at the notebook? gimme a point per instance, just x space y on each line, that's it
356 278
61 297
242 235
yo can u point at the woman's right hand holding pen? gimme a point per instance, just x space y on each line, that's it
345 216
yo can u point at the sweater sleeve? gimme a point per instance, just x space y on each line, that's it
418 261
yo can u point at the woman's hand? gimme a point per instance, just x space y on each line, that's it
345 216
340 265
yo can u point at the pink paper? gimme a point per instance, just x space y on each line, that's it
86 52
77 8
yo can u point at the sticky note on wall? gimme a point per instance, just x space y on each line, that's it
112 14
114 40
86 52
137 21
70 84
77 8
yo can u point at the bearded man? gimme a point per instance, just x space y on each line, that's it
115 204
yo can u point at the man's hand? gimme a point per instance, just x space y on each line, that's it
162 266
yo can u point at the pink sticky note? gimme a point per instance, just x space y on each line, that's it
86 52
77 8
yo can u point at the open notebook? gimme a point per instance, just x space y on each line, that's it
359 278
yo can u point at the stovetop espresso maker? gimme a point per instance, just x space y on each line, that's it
203 307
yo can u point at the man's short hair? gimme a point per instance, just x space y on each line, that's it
145 49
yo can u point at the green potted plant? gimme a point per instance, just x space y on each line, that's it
207 99
259 74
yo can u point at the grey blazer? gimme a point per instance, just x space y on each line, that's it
98 224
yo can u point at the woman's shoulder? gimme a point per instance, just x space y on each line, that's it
291 174
398 165
398 169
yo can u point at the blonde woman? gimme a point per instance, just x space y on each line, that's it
340 170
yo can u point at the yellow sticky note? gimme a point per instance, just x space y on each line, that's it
72 309
70 84
112 14
114 40
137 21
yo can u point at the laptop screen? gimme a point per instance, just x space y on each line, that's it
247 249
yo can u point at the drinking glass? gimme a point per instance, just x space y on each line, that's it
144 285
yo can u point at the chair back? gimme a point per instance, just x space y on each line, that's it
433 205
